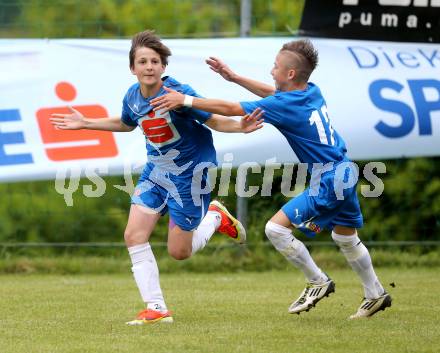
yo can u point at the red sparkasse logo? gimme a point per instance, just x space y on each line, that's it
63 145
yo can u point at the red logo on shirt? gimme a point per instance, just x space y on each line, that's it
159 129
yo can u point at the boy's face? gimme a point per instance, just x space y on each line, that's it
148 67
282 71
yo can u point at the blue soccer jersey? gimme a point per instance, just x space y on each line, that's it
180 149
178 130
301 116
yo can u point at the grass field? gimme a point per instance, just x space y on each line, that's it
220 312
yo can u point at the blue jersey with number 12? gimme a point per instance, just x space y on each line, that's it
301 116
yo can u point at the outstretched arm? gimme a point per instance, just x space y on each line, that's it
173 100
259 88
76 121
247 124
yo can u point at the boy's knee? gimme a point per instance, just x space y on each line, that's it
350 245
274 230
179 253
277 234
133 237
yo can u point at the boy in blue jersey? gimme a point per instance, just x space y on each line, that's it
174 180
298 110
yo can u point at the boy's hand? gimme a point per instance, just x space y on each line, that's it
252 122
171 100
73 121
216 65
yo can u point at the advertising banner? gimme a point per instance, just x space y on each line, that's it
389 20
383 98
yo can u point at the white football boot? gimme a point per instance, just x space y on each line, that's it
369 307
312 294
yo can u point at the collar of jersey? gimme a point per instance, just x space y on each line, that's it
310 86
167 81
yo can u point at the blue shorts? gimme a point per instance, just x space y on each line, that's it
312 212
186 204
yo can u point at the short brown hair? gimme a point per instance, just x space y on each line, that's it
148 39
306 58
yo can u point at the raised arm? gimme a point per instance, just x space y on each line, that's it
76 121
173 100
247 124
259 88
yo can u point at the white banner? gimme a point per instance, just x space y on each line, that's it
383 98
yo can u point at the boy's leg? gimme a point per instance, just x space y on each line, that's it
182 243
279 233
357 255
344 225
197 217
190 226
140 224
205 231
179 241
359 259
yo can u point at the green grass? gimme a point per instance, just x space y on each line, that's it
216 312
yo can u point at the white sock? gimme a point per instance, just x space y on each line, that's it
205 230
146 275
294 251
359 259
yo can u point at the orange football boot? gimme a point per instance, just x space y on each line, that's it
150 316
229 225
